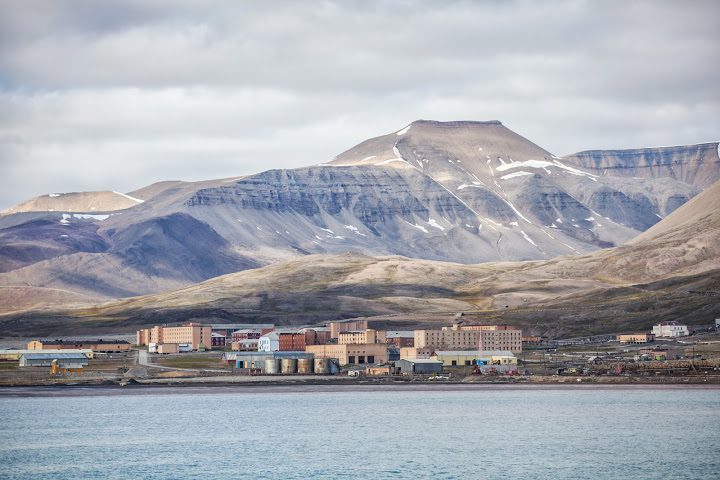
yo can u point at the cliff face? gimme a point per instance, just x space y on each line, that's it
697 165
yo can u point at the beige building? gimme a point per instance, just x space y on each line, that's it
637 338
363 336
494 337
198 336
414 353
351 354
336 328
101 346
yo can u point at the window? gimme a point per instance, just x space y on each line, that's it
351 359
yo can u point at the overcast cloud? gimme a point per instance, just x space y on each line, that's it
115 95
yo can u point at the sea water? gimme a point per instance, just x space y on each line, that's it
298 432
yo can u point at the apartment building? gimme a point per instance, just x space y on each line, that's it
362 336
457 337
197 335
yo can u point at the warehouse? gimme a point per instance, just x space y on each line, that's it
65 361
419 366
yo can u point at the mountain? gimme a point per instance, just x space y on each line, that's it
697 165
670 272
460 192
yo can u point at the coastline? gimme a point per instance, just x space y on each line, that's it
320 383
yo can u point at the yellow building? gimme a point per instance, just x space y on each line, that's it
351 354
414 353
494 337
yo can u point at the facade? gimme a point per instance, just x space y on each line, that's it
670 329
249 333
664 353
411 353
451 358
419 366
270 342
400 338
351 354
364 336
168 348
291 342
197 335
336 328
316 336
380 371
636 338
494 337
245 345
217 339
97 346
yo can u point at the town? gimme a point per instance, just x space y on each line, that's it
462 351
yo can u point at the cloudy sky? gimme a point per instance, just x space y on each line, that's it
115 95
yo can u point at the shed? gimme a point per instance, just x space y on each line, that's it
419 366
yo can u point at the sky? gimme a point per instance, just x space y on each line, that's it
116 95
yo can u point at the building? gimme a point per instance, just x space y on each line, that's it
664 353
494 337
336 328
401 338
217 339
531 341
411 353
362 336
419 366
451 358
250 333
316 336
245 345
670 329
270 342
64 361
14 355
351 354
636 338
296 341
378 371
97 346
197 335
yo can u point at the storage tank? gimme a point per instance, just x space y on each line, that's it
322 366
272 365
305 365
289 365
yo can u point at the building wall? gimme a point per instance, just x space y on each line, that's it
316 337
468 338
74 345
670 329
411 353
291 342
366 336
337 328
636 338
193 333
351 354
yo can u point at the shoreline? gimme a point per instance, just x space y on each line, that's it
316 383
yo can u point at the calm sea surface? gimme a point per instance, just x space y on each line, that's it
573 432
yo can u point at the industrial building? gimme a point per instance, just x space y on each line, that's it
63 361
400 338
351 354
411 353
419 366
97 346
470 357
494 337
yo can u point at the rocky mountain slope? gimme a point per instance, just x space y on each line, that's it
670 272
697 165
462 192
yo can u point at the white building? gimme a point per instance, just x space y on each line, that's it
270 342
670 329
